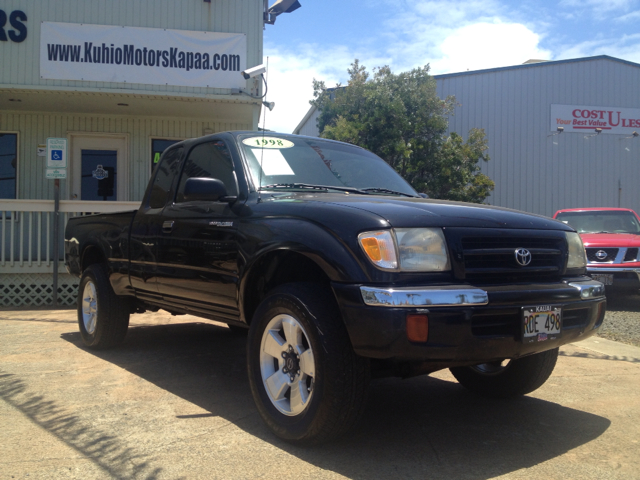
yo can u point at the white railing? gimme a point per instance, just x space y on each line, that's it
26 231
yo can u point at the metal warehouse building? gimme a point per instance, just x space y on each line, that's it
561 134
114 83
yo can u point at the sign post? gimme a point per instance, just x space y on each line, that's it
56 169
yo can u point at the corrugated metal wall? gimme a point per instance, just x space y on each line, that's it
310 127
35 128
20 62
539 173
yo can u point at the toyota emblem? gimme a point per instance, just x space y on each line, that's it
523 256
601 254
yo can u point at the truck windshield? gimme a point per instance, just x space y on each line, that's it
601 221
287 162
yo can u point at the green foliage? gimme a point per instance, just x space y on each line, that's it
401 119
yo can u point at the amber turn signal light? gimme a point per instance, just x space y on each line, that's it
417 328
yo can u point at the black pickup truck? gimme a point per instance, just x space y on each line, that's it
340 271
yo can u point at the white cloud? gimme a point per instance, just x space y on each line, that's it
290 79
451 36
599 7
629 17
291 75
456 36
488 45
627 47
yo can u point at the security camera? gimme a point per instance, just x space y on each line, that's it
253 71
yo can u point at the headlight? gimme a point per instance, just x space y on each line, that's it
577 256
422 250
407 249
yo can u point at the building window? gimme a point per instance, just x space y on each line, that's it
159 145
8 164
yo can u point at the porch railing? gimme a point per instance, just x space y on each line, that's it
26 231
27 273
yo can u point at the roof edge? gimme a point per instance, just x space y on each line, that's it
537 65
296 130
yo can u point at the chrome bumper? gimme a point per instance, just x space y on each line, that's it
424 296
453 296
589 290
597 270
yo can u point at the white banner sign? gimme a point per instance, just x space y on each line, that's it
580 118
102 53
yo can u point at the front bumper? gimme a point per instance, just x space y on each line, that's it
623 277
467 324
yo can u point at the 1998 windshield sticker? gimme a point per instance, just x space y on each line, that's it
267 142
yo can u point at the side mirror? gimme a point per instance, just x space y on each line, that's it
423 195
201 189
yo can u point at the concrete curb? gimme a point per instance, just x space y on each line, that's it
620 351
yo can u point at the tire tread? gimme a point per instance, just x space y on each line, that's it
345 389
113 310
522 376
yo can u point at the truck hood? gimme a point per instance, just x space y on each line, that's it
401 212
610 240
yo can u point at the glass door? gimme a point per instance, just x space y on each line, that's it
99 175
98 166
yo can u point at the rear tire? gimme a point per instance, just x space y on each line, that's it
517 377
103 316
308 384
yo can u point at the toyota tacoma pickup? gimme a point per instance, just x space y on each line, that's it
339 270
611 238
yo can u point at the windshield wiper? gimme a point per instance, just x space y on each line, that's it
386 190
363 191
312 186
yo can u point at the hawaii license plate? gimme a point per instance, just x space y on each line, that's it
541 323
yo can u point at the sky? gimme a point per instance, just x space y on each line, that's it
323 37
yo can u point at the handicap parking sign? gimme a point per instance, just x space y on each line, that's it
56 153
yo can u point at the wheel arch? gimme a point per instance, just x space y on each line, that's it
275 268
91 254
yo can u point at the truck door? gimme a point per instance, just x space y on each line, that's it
147 224
197 247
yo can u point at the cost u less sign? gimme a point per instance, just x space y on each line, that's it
578 118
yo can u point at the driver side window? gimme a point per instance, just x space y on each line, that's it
210 160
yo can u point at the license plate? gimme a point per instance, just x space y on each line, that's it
541 323
605 278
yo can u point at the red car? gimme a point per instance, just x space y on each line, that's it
611 238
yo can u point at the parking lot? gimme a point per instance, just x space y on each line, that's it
174 402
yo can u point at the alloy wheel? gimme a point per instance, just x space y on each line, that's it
287 365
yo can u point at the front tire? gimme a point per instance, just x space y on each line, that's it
103 316
308 384
508 379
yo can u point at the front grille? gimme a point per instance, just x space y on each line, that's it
631 255
493 259
593 258
496 324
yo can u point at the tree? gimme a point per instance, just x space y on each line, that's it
401 119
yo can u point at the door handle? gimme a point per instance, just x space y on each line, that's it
167 226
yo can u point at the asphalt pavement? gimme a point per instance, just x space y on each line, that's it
174 402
